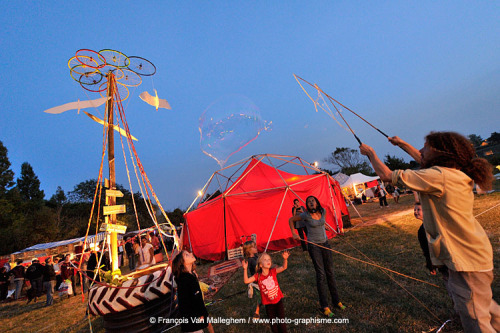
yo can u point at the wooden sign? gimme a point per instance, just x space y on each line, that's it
118 228
116 209
114 193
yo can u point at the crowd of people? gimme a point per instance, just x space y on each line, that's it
57 274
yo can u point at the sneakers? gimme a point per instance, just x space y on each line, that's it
327 312
340 306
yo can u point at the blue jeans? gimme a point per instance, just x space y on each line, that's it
19 287
49 286
325 279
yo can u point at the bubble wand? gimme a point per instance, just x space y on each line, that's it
332 100
315 86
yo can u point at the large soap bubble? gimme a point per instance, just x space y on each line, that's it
228 125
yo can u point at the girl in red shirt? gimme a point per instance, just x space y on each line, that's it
270 291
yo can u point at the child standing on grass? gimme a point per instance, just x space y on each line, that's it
250 253
191 305
270 291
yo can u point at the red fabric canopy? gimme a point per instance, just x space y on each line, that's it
259 202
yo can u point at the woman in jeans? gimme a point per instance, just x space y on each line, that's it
314 220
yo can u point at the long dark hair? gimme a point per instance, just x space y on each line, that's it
319 208
456 151
178 265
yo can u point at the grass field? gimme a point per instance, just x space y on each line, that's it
376 302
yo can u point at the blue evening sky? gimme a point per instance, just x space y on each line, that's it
407 66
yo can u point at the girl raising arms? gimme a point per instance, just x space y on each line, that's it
270 291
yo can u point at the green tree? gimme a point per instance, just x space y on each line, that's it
29 185
396 163
349 161
209 196
363 168
475 139
494 138
6 174
12 211
57 202
176 216
84 191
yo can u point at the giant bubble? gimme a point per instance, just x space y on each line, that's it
228 125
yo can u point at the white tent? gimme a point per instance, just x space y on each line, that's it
45 246
358 178
353 185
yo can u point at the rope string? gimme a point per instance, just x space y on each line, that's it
399 284
487 210
372 264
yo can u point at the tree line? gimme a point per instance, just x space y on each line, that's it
27 218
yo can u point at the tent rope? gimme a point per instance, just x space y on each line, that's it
396 282
372 264
384 269
487 210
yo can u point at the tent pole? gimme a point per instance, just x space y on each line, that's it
225 229
276 219
333 202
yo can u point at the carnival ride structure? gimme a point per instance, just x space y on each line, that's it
146 292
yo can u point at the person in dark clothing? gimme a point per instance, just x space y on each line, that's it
4 283
68 272
190 296
297 209
49 280
91 267
129 249
57 268
34 273
381 193
19 274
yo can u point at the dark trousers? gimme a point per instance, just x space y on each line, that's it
302 233
276 311
59 280
131 262
383 201
37 285
422 238
325 278
4 288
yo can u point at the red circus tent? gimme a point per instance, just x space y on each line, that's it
257 198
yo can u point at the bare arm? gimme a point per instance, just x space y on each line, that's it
412 151
246 279
381 169
280 269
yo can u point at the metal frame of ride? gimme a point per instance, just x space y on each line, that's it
110 73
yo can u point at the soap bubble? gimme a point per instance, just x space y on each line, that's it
228 125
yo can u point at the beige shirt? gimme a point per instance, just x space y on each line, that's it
456 239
